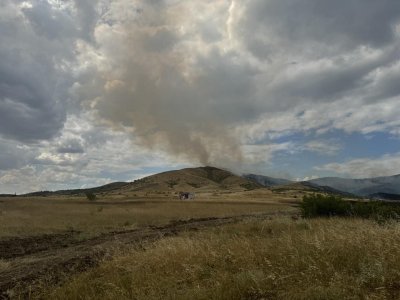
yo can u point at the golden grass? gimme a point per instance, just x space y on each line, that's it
41 215
272 259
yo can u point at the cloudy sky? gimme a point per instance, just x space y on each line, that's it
94 91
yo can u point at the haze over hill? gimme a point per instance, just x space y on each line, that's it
387 187
363 187
266 180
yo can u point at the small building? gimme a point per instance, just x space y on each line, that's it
186 196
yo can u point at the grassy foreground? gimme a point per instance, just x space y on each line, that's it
335 258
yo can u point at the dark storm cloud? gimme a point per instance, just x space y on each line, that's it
72 146
87 17
304 25
37 52
13 156
318 52
49 22
333 79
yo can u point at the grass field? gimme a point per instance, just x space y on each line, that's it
262 257
271 259
21 216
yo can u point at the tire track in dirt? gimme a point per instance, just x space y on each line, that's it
51 259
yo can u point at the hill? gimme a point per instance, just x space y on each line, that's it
111 187
266 180
203 179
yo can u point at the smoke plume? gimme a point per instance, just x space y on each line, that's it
164 74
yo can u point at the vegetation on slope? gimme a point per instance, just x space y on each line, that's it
318 205
273 259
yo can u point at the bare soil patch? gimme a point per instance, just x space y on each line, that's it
17 247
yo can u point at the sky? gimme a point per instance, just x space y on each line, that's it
96 91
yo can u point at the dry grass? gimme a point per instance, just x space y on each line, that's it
41 215
4 265
275 259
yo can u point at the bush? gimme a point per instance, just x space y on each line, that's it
329 205
320 205
376 210
90 196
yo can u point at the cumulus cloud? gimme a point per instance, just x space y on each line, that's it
329 147
107 156
385 165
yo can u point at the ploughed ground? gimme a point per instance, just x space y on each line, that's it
35 262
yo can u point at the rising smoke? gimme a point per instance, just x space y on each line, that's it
167 72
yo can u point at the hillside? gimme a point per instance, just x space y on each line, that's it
203 179
111 187
266 180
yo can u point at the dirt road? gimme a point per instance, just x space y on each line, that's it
50 259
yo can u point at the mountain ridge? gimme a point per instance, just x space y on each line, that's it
363 187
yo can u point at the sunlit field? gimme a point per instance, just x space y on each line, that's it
34 216
272 259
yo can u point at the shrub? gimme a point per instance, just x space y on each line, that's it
90 196
320 205
329 205
171 183
376 210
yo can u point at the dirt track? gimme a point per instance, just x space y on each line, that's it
50 259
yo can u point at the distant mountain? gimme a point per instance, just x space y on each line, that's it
362 187
311 187
279 184
385 196
266 180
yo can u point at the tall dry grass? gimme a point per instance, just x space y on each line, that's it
35 216
275 259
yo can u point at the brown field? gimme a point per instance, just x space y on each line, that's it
45 240
234 241
20 216
255 259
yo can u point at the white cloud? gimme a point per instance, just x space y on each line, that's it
385 165
264 153
329 147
